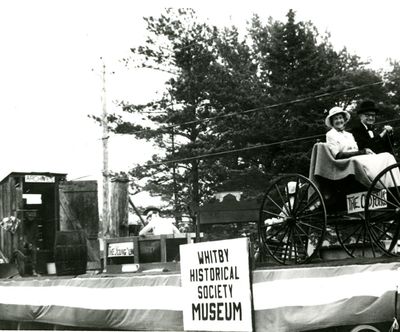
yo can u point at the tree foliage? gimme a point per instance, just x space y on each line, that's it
263 94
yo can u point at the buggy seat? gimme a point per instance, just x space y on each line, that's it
323 164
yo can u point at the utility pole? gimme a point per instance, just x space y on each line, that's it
177 212
104 122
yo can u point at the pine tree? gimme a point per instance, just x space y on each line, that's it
232 92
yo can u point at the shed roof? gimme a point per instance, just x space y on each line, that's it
17 174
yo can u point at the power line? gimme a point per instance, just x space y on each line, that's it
294 101
258 146
82 177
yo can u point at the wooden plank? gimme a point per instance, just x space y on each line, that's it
2 236
19 205
1 201
105 249
137 212
135 248
72 222
9 237
57 205
68 219
163 248
3 257
78 186
82 200
2 232
119 208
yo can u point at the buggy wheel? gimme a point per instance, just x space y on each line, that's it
354 237
382 209
292 220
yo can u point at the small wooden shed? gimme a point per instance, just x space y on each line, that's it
45 203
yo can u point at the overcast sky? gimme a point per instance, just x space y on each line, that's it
50 69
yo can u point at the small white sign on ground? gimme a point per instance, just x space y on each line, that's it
216 286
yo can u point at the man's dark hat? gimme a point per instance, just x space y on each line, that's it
151 208
367 106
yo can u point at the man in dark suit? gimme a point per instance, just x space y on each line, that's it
365 133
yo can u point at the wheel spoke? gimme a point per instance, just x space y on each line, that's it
276 233
294 244
296 195
281 240
390 192
371 241
357 228
383 232
309 204
354 247
301 198
386 200
272 213
286 248
310 215
275 223
374 239
280 208
373 248
379 215
301 229
282 200
394 182
310 225
301 242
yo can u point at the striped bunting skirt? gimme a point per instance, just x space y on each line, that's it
127 303
301 299
291 299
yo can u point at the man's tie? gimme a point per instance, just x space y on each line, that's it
370 130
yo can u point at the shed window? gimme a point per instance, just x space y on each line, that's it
33 198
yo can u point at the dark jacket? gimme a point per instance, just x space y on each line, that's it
377 144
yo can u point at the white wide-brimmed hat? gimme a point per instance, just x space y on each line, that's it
336 110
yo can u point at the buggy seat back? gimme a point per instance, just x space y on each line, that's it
324 164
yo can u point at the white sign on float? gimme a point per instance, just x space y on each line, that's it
216 286
120 249
39 178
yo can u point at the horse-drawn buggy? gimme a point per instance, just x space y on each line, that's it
339 203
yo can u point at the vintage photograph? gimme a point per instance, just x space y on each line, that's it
200 165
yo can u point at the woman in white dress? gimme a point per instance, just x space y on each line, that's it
343 145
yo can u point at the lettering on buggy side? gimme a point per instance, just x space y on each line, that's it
356 202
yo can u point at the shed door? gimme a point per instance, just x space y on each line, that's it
79 211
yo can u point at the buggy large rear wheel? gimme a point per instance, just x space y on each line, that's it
382 209
292 220
354 236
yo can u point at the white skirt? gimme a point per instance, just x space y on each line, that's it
373 164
